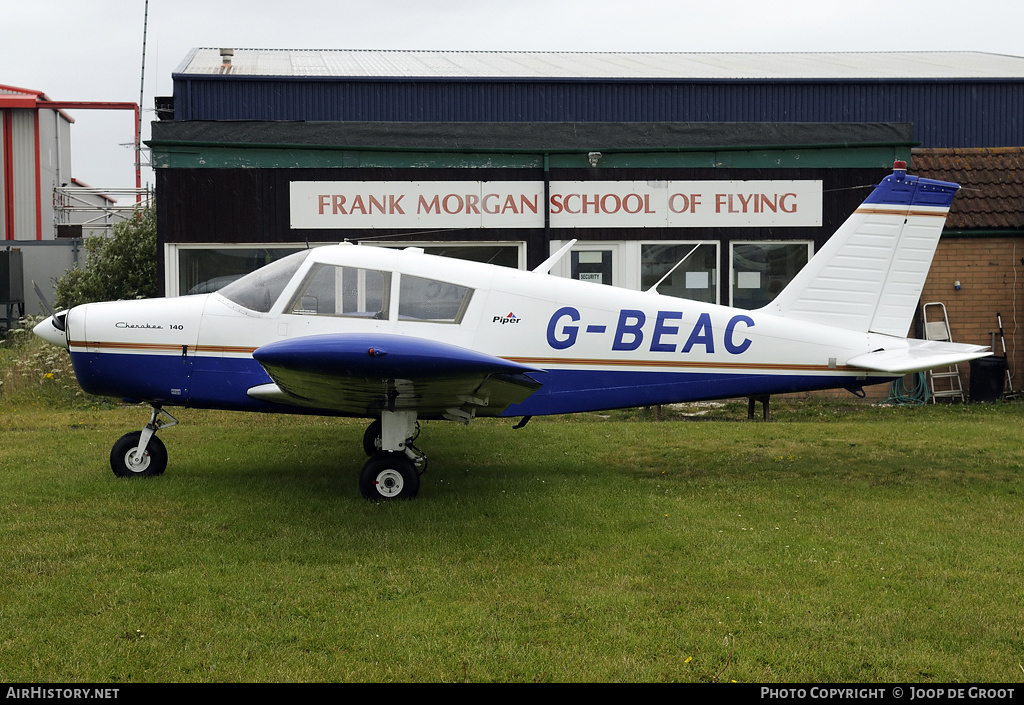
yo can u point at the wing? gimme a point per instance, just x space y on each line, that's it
910 355
361 374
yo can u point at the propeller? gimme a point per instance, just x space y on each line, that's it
59 322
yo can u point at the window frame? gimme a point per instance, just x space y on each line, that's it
809 244
460 314
383 314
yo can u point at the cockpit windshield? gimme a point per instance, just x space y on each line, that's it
259 290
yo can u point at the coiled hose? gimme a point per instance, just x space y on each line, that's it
914 393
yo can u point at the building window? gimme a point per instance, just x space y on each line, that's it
680 268
760 270
592 266
505 254
200 270
686 270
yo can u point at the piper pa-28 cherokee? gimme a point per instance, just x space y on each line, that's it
399 335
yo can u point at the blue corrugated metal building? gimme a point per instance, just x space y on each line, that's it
953 99
246 128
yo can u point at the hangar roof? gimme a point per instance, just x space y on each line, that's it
427 65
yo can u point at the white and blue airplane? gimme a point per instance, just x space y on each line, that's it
399 335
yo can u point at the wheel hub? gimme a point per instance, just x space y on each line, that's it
389 483
134 462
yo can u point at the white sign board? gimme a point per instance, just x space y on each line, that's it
417 204
685 204
571 204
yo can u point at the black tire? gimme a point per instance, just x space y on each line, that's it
372 438
124 450
388 476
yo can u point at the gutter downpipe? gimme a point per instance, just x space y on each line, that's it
547 210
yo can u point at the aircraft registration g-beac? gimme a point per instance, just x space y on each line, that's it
399 335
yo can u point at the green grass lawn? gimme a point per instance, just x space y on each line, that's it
841 542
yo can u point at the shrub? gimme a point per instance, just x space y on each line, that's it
123 266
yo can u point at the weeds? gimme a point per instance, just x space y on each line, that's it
34 372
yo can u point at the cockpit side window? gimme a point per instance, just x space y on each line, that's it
423 299
259 290
344 291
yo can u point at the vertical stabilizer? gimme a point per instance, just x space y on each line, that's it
868 277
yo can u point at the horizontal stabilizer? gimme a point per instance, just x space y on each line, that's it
917 355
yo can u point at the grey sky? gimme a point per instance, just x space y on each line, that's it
92 49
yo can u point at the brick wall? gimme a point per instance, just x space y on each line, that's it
991 278
990 273
990 269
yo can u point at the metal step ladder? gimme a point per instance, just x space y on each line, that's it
943 383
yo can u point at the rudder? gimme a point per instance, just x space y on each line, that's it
868 277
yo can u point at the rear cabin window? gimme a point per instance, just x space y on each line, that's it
423 299
331 290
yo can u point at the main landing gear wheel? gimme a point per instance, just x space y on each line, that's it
124 453
389 476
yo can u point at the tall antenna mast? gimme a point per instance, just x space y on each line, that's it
138 126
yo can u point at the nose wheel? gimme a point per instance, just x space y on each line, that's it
127 461
141 453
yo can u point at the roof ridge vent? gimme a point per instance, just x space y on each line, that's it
225 57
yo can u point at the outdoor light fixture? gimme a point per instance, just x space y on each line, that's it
594 157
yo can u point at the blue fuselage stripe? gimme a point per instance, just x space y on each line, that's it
569 391
222 383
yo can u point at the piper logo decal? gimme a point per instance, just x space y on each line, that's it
510 318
